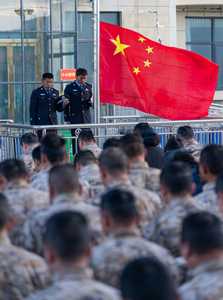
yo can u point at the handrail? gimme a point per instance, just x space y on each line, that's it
218 121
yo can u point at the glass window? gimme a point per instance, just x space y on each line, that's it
198 29
205 36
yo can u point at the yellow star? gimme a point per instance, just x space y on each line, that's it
136 70
120 48
141 39
147 63
149 50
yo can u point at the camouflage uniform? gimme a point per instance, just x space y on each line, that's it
21 273
109 258
76 285
205 282
208 199
194 148
32 232
148 203
165 229
23 199
40 182
27 158
94 149
91 175
142 176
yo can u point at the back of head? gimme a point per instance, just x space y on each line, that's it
173 143
63 179
5 211
36 153
111 142
176 177
53 147
67 234
114 161
87 136
147 278
143 129
151 139
185 133
13 169
120 205
212 158
185 157
29 139
132 145
85 158
202 232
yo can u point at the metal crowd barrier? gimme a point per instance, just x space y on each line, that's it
206 131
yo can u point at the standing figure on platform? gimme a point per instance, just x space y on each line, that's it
79 94
45 102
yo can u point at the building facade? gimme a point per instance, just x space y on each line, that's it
37 36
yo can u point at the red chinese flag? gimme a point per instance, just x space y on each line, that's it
164 81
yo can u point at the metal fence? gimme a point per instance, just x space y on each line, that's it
206 132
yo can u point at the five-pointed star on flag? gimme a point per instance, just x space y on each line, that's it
141 39
147 63
149 50
120 48
136 70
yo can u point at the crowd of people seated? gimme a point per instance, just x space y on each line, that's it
129 220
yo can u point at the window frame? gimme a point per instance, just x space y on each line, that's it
213 44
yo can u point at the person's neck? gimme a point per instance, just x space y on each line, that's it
18 182
118 178
171 197
138 159
209 178
196 260
64 267
126 229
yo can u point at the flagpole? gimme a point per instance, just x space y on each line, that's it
97 108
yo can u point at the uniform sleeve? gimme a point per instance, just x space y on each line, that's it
59 103
33 108
68 96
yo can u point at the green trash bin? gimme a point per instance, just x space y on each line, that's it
66 134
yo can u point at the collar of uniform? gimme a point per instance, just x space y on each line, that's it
13 185
210 186
4 239
67 198
191 142
93 148
73 274
91 169
177 200
208 266
139 165
119 183
124 232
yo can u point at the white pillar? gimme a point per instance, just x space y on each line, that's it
96 17
172 23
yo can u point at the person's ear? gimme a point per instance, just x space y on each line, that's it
10 225
193 188
49 255
44 159
105 221
3 183
185 250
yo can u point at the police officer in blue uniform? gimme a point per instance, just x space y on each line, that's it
45 102
79 94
